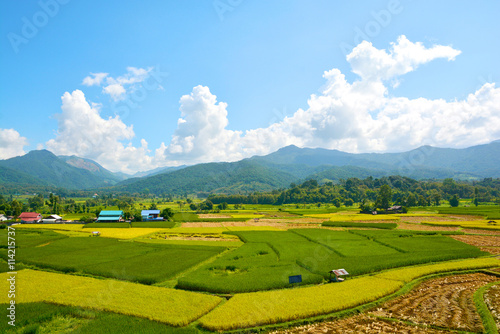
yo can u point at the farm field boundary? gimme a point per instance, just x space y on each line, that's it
473 224
173 307
488 320
261 308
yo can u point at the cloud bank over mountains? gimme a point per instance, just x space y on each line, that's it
358 116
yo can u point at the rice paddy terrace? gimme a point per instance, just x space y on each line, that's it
422 272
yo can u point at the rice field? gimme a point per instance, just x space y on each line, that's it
252 263
174 307
350 217
470 224
106 257
107 232
411 273
267 258
260 308
66 227
50 318
385 226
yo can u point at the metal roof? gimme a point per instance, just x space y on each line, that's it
29 215
150 212
111 213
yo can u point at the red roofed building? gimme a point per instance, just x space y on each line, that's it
30 217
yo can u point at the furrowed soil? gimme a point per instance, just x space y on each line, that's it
362 324
489 244
472 231
444 302
492 299
419 227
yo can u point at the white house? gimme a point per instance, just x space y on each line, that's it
52 219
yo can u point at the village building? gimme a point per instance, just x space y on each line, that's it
30 217
110 216
52 219
395 209
151 215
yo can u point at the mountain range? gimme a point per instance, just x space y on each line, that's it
259 173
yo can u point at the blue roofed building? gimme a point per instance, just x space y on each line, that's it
110 216
150 215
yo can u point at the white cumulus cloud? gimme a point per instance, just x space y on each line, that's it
357 116
83 132
11 143
201 133
94 79
404 56
118 87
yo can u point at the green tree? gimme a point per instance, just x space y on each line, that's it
348 202
223 206
384 197
454 201
436 197
167 213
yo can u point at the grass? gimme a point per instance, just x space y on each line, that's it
268 307
107 225
75 216
387 226
139 262
51 318
173 307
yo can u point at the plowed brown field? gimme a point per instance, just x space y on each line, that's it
492 299
489 244
362 324
445 302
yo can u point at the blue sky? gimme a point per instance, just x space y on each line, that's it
261 59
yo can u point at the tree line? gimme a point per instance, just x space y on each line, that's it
404 191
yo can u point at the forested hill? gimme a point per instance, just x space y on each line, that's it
481 161
293 164
241 176
260 173
43 168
